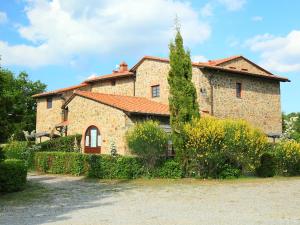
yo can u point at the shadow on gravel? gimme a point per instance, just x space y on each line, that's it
49 199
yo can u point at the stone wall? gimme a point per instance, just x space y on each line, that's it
123 86
46 119
110 122
242 64
259 104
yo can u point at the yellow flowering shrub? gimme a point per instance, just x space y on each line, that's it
287 154
213 144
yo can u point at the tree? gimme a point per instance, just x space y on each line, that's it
18 108
148 141
183 97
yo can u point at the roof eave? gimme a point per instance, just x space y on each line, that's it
147 113
270 77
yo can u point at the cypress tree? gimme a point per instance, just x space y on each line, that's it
183 98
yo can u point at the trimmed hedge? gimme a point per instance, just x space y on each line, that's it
99 166
61 144
13 173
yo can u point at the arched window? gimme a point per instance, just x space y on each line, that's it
93 140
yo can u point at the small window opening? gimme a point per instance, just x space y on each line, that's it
49 103
238 90
155 91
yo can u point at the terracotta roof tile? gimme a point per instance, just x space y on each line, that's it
59 91
126 103
110 76
216 67
217 62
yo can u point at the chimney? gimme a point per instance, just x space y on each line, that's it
123 67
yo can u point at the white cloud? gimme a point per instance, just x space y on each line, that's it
3 17
257 18
233 5
207 10
280 54
199 58
61 30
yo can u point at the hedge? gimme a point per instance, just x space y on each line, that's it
61 144
13 175
99 166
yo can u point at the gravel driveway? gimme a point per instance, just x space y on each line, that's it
72 200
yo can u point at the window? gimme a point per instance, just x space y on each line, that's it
113 83
49 103
92 137
155 91
238 90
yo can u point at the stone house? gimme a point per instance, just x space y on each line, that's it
103 108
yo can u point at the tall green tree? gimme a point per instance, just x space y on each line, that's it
183 97
18 108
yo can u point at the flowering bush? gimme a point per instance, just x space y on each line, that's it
287 155
148 141
211 145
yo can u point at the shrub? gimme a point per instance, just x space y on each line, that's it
13 174
267 166
169 169
21 150
148 141
287 154
61 144
15 149
210 143
99 166
61 163
229 172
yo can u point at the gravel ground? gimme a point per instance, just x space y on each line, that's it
73 200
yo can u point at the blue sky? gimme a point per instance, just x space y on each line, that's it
62 42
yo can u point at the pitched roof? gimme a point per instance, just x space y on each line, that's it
129 104
110 76
215 66
59 91
217 62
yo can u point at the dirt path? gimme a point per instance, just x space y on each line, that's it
71 200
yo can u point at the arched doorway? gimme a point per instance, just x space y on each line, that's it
92 140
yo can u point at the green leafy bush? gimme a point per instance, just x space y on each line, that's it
21 150
169 169
210 143
148 141
99 166
267 167
229 172
13 173
61 144
287 154
15 149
